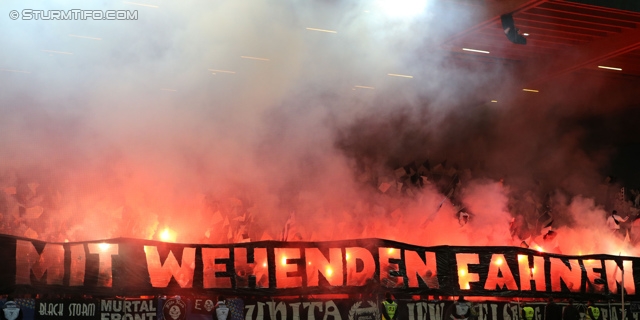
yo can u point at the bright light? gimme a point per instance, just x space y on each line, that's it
254 58
530 90
475 50
533 270
222 71
84 37
322 30
329 271
499 261
167 235
494 101
284 261
364 87
390 251
399 75
462 273
610 68
539 248
264 264
402 8
525 34
104 246
347 256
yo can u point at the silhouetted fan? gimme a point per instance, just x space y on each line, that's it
511 31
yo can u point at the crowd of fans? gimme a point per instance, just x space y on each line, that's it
30 208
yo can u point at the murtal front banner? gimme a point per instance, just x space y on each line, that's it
129 267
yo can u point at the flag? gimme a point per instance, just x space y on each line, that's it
463 218
265 236
545 221
290 228
217 218
236 309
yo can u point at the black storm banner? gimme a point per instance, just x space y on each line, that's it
47 309
128 267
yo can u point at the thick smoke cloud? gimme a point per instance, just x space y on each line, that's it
133 133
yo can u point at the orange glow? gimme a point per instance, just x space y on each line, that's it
104 246
390 251
499 262
264 264
539 248
284 261
347 256
463 277
329 271
533 270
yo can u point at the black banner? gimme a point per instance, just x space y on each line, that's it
127 267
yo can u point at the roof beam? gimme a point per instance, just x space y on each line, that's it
581 56
494 9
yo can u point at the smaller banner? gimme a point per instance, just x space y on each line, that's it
49 309
203 306
175 309
129 309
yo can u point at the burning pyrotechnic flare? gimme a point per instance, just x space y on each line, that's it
168 235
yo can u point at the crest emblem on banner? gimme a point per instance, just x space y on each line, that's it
209 305
174 309
363 313
11 310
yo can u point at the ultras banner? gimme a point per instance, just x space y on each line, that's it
297 309
127 267
413 310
